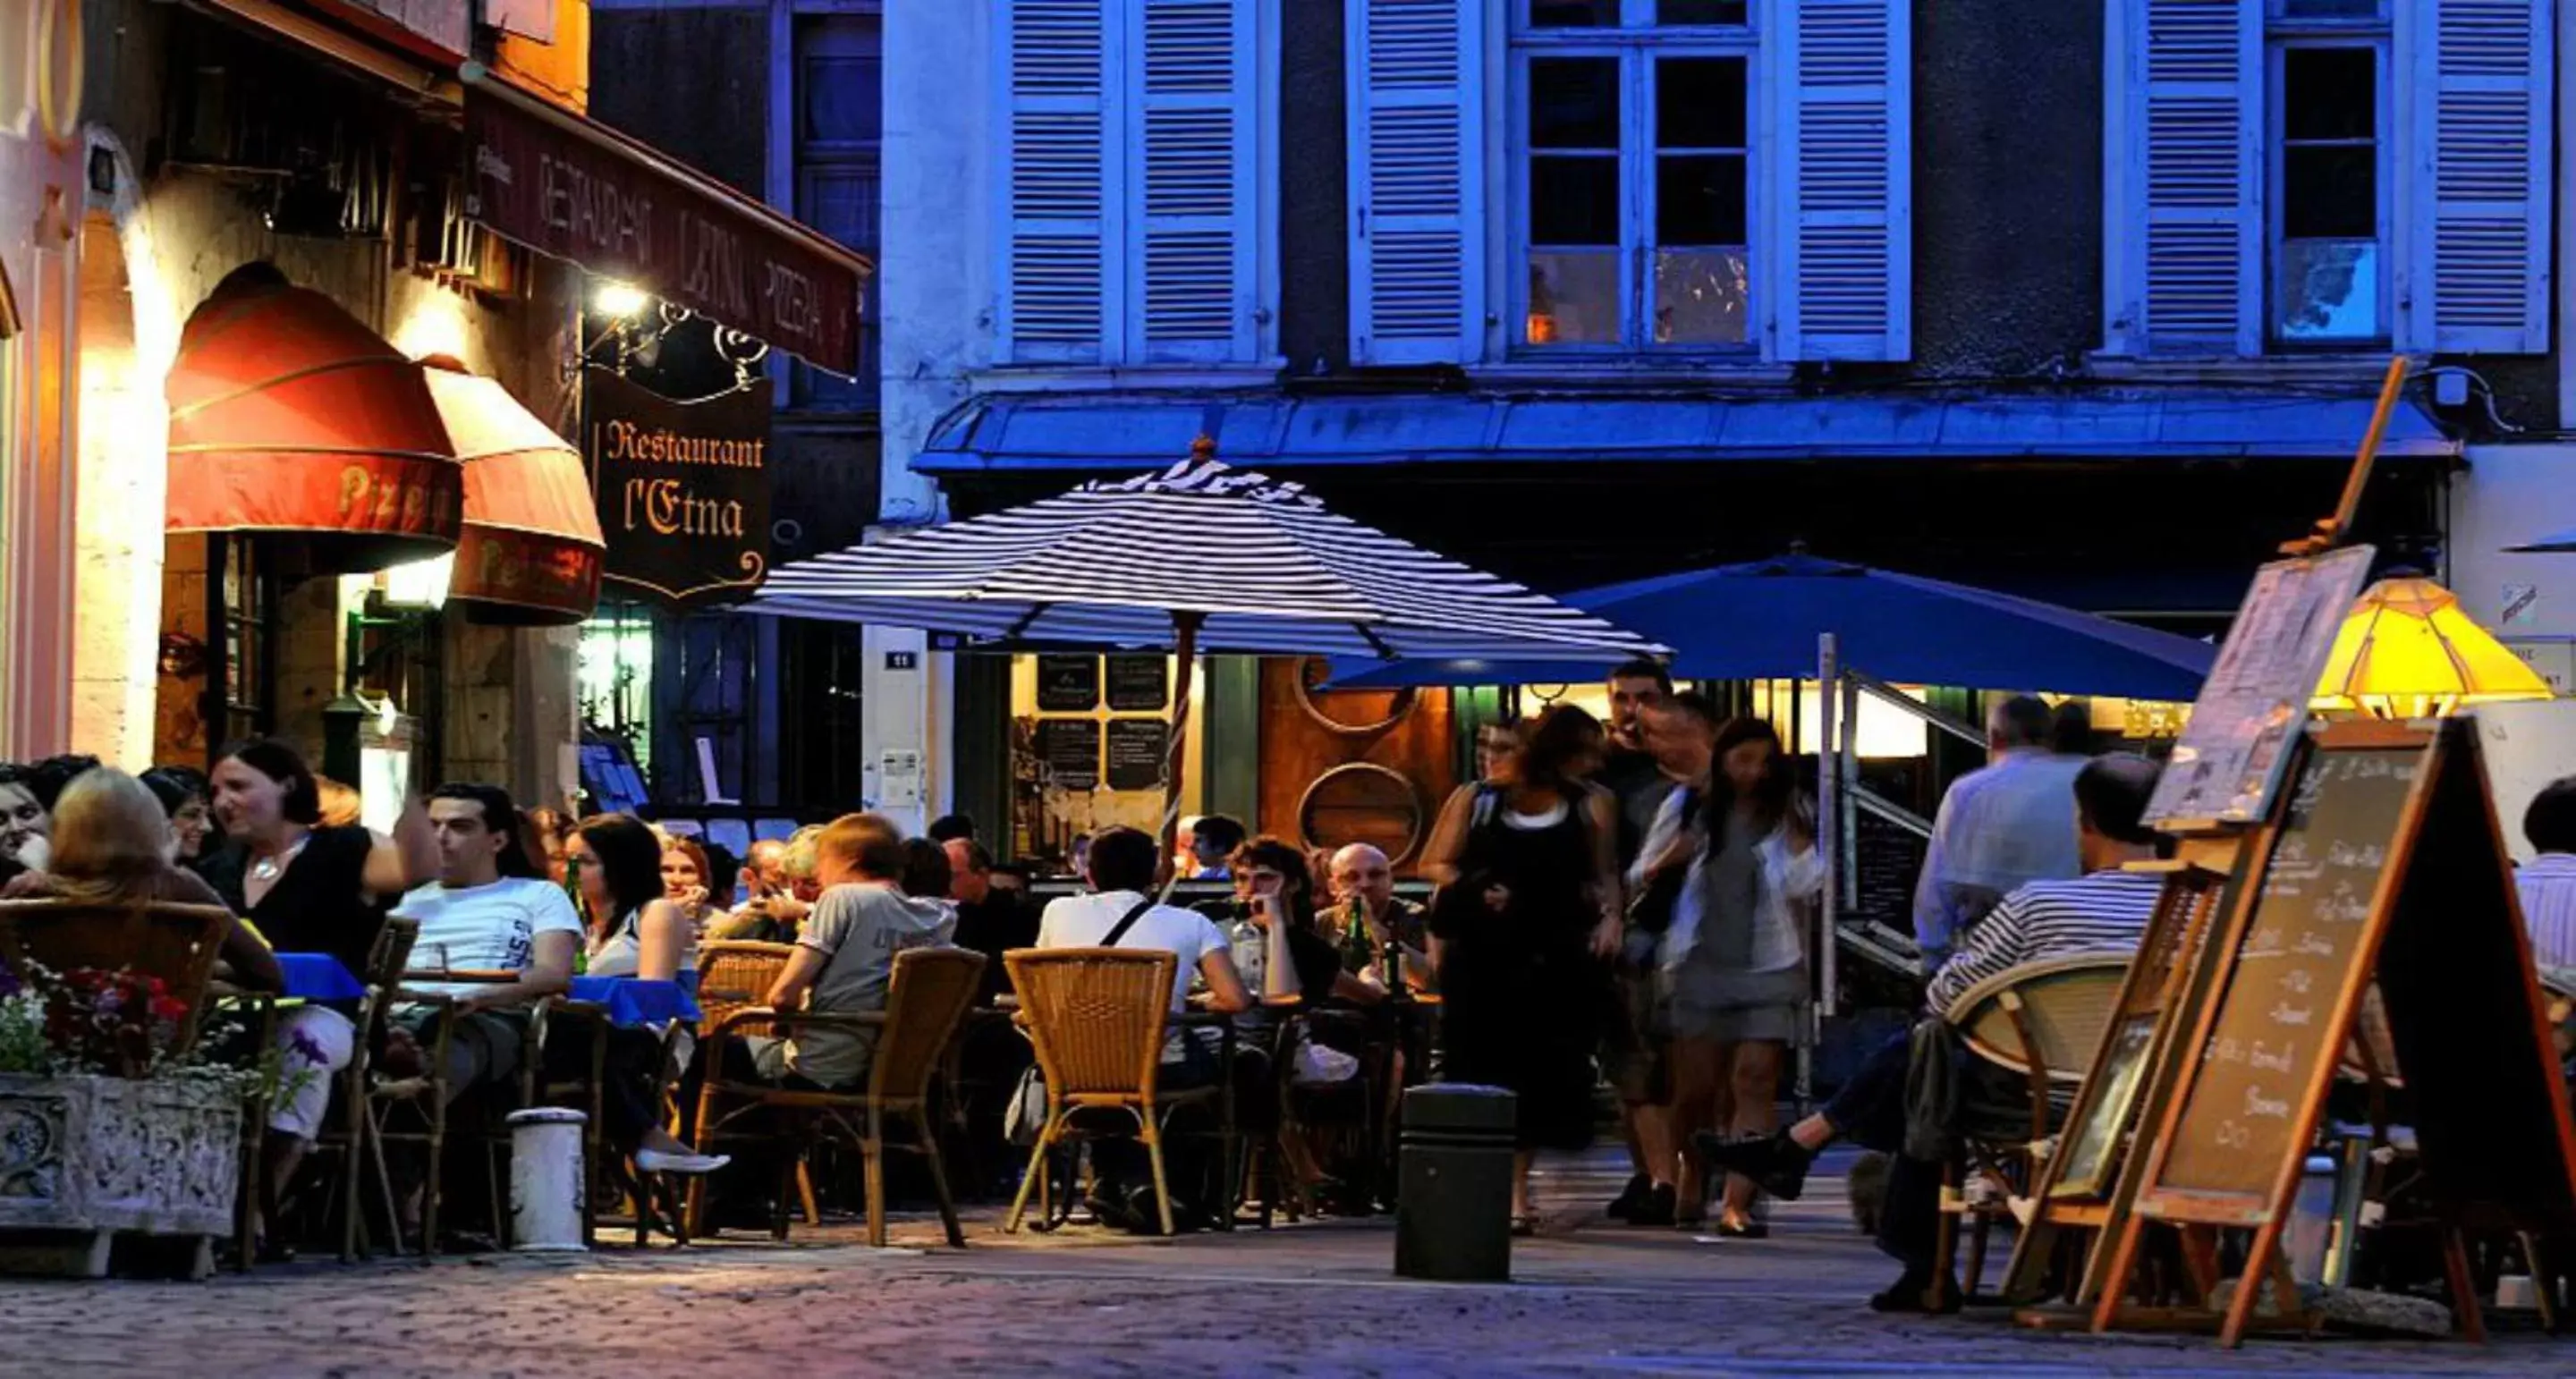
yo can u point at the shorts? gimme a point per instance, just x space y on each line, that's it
1636 1052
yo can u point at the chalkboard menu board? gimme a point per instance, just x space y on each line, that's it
1137 747
1889 858
1069 752
1138 684
1068 684
2275 1023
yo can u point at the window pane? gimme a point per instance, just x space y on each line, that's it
1574 102
1700 296
1574 14
1573 299
2328 290
1699 11
1699 199
843 101
1574 200
2330 192
2329 93
1699 102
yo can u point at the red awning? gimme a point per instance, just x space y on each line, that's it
290 419
532 548
572 187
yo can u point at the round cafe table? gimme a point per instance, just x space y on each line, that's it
632 1001
318 977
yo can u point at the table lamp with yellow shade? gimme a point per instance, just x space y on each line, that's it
2408 650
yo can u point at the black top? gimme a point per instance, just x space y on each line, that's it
319 905
993 926
1640 786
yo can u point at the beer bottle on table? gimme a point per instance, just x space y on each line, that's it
580 907
1357 952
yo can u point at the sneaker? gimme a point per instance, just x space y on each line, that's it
1624 1206
656 1161
1776 1163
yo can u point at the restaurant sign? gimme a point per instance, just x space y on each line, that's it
581 191
683 488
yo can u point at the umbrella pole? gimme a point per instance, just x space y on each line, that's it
1185 645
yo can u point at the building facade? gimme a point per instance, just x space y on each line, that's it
2087 302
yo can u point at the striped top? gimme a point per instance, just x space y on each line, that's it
2103 911
2548 887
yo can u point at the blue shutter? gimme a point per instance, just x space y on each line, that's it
2480 230
1842 282
2183 221
1193 204
1059 268
1416 161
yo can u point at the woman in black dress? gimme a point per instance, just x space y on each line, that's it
1528 912
309 889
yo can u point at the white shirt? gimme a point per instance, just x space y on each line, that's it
1082 921
2000 828
2548 887
490 928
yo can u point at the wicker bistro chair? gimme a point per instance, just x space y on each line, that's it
2044 1021
1096 1017
735 975
177 943
926 1002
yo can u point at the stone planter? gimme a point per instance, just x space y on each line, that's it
85 1158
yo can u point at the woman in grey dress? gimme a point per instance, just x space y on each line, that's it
1734 965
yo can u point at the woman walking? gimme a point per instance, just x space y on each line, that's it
1527 913
1734 968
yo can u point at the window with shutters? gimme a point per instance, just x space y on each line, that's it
1134 195
2294 175
840 128
1632 176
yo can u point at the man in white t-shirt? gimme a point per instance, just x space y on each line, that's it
490 910
1122 879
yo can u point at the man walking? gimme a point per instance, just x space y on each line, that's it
1633 1054
2002 826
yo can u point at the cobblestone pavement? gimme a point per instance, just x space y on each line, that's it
1588 1298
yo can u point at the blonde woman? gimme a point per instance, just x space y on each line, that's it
113 845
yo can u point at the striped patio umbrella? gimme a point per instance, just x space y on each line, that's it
1201 558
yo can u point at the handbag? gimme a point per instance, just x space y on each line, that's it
1024 1117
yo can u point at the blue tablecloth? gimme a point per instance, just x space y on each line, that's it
319 977
634 1001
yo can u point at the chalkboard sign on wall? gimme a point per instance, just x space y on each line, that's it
1068 684
1138 684
1069 752
1137 747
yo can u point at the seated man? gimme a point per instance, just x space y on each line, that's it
2104 910
845 950
991 919
1121 906
1362 873
491 910
2548 882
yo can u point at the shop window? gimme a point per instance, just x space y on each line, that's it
825 666
615 676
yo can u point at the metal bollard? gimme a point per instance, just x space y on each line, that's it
1453 1210
547 1195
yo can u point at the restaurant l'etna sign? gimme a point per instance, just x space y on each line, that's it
591 195
683 488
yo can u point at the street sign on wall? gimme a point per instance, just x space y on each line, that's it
683 488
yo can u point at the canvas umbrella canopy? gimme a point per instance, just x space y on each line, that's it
1761 620
1201 558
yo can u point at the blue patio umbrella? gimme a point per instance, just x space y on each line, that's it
1762 620
2555 543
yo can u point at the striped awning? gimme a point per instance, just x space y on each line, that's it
1263 564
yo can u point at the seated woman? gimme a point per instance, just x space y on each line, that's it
637 931
686 883
1323 1070
112 845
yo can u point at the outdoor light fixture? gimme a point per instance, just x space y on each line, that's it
2408 650
622 300
420 585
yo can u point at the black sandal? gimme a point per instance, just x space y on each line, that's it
1524 1225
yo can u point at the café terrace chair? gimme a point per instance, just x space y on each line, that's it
345 1140
2044 1021
1096 1017
177 943
734 976
426 1096
926 1001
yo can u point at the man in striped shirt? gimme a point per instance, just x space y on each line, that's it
2548 882
2104 910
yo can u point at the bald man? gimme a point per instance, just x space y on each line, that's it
1362 873
773 911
